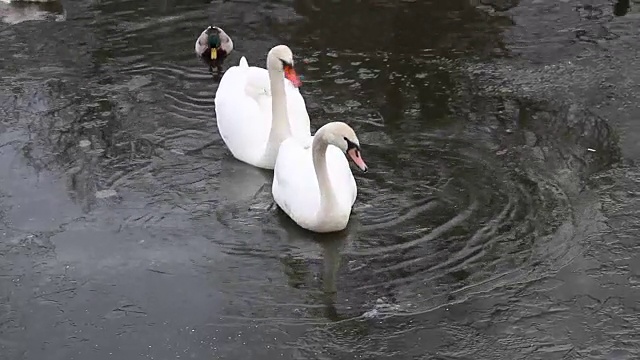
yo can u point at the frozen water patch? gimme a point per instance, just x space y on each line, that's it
15 12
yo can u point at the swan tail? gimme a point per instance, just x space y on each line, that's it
243 62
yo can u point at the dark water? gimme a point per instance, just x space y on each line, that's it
497 221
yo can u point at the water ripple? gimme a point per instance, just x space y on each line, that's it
468 200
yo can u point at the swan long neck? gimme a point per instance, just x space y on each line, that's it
280 129
319 153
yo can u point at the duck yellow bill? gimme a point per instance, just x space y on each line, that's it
214 53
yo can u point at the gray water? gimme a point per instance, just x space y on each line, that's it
498 219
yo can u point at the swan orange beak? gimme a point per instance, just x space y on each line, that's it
291 74
354 154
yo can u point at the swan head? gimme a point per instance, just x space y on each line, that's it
280 59
342 136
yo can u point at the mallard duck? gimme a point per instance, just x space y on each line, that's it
213 46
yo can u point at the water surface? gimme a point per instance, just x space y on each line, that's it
129 231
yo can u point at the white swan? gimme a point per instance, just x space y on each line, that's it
256 109
313 184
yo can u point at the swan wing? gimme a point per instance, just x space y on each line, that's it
240 115
295 185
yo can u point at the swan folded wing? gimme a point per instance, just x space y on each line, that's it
305 142
295 183
255 84
256 92
234 78
257 81
246 126
240 117
239 85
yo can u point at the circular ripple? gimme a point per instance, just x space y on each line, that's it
451 208
440 215
433 217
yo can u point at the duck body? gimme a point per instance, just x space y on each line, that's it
313 183
213 46
216 63
247 101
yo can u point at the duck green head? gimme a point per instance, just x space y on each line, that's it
214 40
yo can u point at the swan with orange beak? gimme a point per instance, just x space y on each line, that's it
257 108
